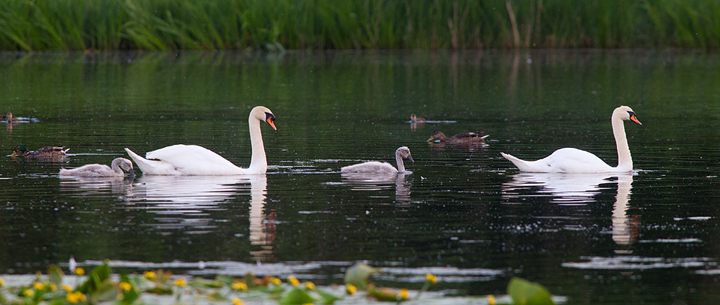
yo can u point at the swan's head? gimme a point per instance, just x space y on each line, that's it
405 153
19 150
626 114
262 113
126 165
436 135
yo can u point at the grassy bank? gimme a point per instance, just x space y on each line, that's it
355 24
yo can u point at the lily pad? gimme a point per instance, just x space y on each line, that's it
524 292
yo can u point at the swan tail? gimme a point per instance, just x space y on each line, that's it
522 165
153 167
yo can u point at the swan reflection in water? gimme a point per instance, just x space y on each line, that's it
381 181
95 186
189 198
185 202
574 189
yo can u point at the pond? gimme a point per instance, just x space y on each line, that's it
464 213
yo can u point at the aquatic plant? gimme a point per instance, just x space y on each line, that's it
357 24
100 286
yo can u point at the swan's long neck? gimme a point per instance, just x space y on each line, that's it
116 167
623 150
258 161
399 160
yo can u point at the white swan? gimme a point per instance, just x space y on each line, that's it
572 160
196 160
381 167
101 170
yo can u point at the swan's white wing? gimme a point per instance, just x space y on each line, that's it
194 160
564 160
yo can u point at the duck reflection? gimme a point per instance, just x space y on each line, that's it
438 147
184 202
381 181
571 189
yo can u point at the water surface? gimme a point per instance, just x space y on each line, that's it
464 213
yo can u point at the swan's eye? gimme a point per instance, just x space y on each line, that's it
633 117
270 119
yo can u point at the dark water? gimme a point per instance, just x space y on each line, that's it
464 213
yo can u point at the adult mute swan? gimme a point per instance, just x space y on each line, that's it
196 160
381 167
572 160
101 170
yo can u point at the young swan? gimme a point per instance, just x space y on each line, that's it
381 167
101 170
573 160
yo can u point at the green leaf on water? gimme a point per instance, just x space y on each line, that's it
296 296
56 275
359 275
325 297
524 292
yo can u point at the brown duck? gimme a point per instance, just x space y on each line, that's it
48 151
415 119
460 138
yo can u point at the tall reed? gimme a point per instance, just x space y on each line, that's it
355 24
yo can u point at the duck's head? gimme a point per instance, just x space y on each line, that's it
19 150
436 135
405 153
262 113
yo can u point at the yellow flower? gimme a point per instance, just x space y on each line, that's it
275 281
125 286
39 286
350 289
67 288
309 286
53 287
2 283
28 293
181 282
79 271
150 275
75 297
239 286
307 304
72 298
294 281
431 278
237 301
491 299
404 294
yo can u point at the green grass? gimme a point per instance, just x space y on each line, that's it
355 24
